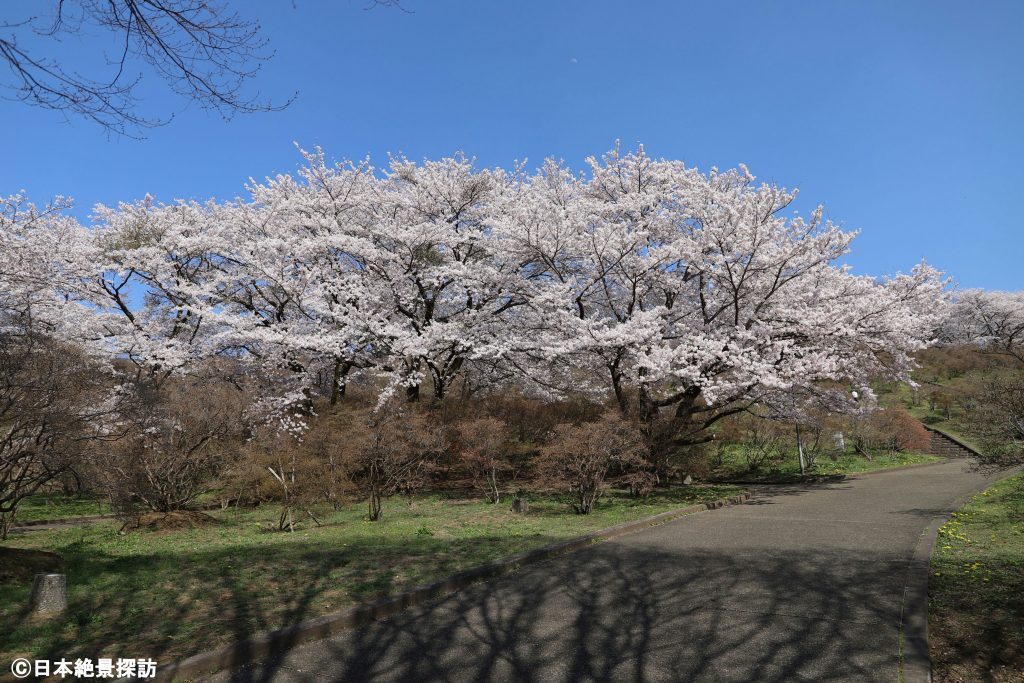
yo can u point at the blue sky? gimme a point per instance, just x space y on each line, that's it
903 118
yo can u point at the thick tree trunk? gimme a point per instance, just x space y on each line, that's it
647 407
341 370
444 376
620 393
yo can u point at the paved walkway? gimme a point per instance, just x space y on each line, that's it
801 584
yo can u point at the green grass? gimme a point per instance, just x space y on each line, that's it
956 423
976 590
170 594
58 506
734 465
957 430
851 463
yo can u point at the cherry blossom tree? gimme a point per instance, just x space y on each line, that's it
694 294
992 319
55 405
670 290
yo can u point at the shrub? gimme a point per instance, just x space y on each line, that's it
727 435
999 419
53 412
640 483
531 421
577 457
669 452
484 446
177 437
388 451
892 429
762 440
297 473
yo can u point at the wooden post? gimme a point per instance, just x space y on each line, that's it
800 450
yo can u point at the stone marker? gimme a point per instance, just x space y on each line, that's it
688 480
839 441
49 594
520 505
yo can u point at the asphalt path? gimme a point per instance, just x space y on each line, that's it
800 584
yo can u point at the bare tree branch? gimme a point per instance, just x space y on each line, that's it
202 50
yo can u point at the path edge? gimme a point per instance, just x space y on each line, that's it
915 659
900 468
281 640
89 519
69 521
835 478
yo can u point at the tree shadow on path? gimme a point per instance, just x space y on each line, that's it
616 613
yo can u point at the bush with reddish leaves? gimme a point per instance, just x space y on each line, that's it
485 450
577 457
892 429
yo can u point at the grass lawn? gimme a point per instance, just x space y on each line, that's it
169 594
57 506
955 424
734 465
976 590
956 430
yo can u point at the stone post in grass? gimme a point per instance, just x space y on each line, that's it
519 503
49 594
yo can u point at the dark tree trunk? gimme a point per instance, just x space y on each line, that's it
374 505
620 394
341 370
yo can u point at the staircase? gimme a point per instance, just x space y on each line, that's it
948 447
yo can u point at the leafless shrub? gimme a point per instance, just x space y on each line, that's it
577 457
323 463
999 420
728 435
297 474
177 438
531 421
388 451
892 429
763 441
812 438
485 450
54 405
640 483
